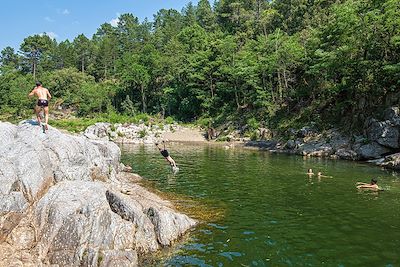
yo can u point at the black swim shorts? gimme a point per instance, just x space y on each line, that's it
164 153
43 103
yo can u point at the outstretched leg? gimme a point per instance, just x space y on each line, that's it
46 113
171 161
37 111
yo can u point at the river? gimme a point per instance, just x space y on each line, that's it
263 210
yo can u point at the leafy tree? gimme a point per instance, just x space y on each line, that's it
83 51
34 49
205 15
9 58
135 77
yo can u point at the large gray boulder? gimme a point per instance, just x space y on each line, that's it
61 203
315 149
392 114
384 133
371 151
348 154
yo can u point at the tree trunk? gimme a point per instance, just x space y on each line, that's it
237 98
280 85
34 69
83 64
211 87
143 98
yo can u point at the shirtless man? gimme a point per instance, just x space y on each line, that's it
166 155
373 185
43 102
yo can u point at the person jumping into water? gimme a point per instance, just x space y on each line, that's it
166 155
43 102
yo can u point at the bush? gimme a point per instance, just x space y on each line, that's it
169 120
142 133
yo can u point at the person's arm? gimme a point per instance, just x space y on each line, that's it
32 93
158 146
360 183
367 186
48 93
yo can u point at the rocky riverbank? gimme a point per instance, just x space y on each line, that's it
142 133
66 201
379 144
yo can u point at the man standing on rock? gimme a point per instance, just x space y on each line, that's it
43 102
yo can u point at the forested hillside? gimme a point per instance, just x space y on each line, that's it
274 64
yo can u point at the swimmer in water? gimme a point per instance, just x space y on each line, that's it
371 186
323 176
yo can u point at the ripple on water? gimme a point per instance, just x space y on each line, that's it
230 254
179 261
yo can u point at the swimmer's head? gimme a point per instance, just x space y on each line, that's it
374 181
309 171
38 83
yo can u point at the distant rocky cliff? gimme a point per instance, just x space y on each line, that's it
65 201
379 143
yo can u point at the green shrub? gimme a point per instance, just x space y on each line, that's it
142 133
169 120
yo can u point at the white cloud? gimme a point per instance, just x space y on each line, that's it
48 19
64 11
114 22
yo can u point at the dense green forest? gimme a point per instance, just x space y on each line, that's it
274 64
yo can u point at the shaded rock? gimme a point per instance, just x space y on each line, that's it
315 149
371 151
384 133
392 114
262 144
348 154
306 131
265 134
337 140
291 144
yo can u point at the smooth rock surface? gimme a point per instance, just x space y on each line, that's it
61 203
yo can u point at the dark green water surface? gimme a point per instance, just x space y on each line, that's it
273 213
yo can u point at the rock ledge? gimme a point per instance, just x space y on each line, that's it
66 202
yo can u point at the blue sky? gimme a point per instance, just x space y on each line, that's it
66 19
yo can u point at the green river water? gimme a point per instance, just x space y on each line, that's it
268 212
